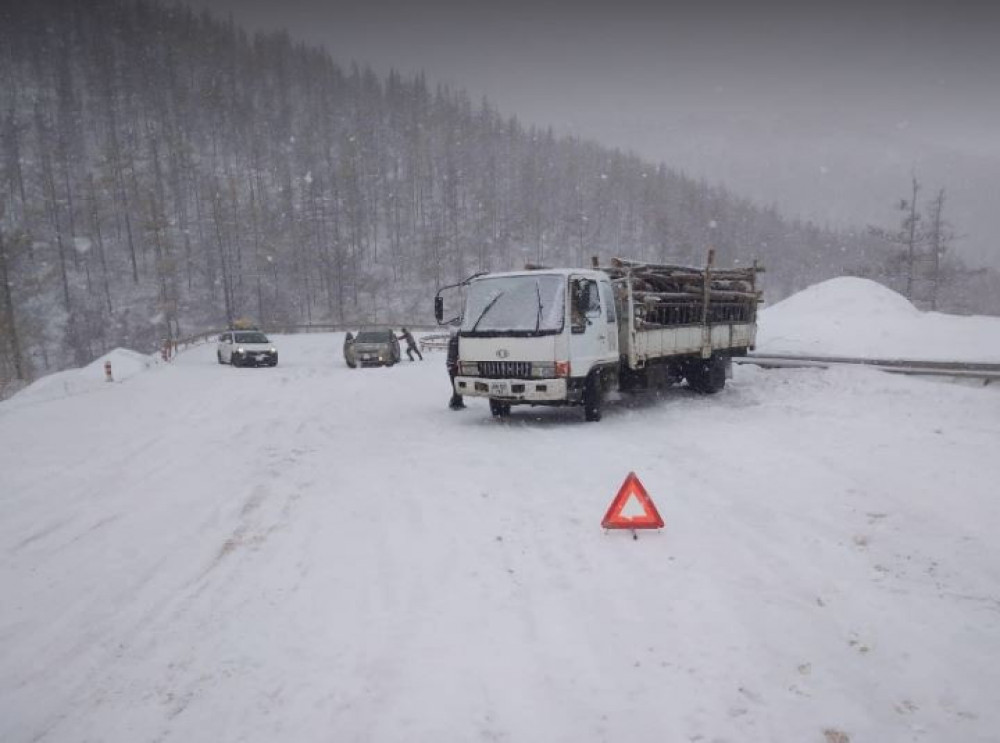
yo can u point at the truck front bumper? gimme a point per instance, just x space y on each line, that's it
538 391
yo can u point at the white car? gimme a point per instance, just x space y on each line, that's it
246 348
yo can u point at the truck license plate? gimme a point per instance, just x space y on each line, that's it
501 389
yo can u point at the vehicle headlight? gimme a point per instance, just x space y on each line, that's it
273 349
468 368
239 350
543 369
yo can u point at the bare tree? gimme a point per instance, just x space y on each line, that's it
9 325
940 235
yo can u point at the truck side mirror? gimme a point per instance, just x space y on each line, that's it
439 308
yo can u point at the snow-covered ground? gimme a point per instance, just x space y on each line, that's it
857 317
91 378
313 553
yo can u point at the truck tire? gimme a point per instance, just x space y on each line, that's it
707 376
593 398
499 409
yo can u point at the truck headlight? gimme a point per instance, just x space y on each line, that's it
468 368
239 350
543 369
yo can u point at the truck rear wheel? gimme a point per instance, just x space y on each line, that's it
707 376
499 409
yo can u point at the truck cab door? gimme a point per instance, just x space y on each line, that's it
590 333
610 317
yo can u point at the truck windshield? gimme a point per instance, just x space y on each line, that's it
521 305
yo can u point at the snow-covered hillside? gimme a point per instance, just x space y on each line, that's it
312 553
849 316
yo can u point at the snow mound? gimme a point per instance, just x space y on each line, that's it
124 364
849 316
848 296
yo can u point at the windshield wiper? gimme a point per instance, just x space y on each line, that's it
487 308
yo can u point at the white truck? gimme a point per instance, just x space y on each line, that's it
566 336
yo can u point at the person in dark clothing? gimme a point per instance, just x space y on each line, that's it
411 345
349 350
456 402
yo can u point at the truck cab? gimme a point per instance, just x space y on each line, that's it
540 337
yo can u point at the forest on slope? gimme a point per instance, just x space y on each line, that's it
162 172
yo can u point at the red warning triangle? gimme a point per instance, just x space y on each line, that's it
632 508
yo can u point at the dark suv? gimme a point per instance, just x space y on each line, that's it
375 348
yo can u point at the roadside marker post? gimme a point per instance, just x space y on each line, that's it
632 508
107 372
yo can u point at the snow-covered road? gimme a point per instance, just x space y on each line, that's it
311 553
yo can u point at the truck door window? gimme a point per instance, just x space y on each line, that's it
586 303
609 301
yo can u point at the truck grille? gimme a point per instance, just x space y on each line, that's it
505 369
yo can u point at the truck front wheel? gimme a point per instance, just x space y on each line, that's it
499 409
707 376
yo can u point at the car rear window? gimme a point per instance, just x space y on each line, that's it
374 336
251 338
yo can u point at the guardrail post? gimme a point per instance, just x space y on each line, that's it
107 372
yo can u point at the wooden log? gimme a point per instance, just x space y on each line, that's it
627 263
699 287
646 296
723 296
639 265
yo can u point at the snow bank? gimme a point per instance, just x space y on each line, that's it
858 317
124 364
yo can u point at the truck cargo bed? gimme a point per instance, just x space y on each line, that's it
669 310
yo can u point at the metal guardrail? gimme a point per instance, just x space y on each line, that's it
343 327
967 369
434 342
295 328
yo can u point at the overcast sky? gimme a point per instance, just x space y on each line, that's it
823 108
